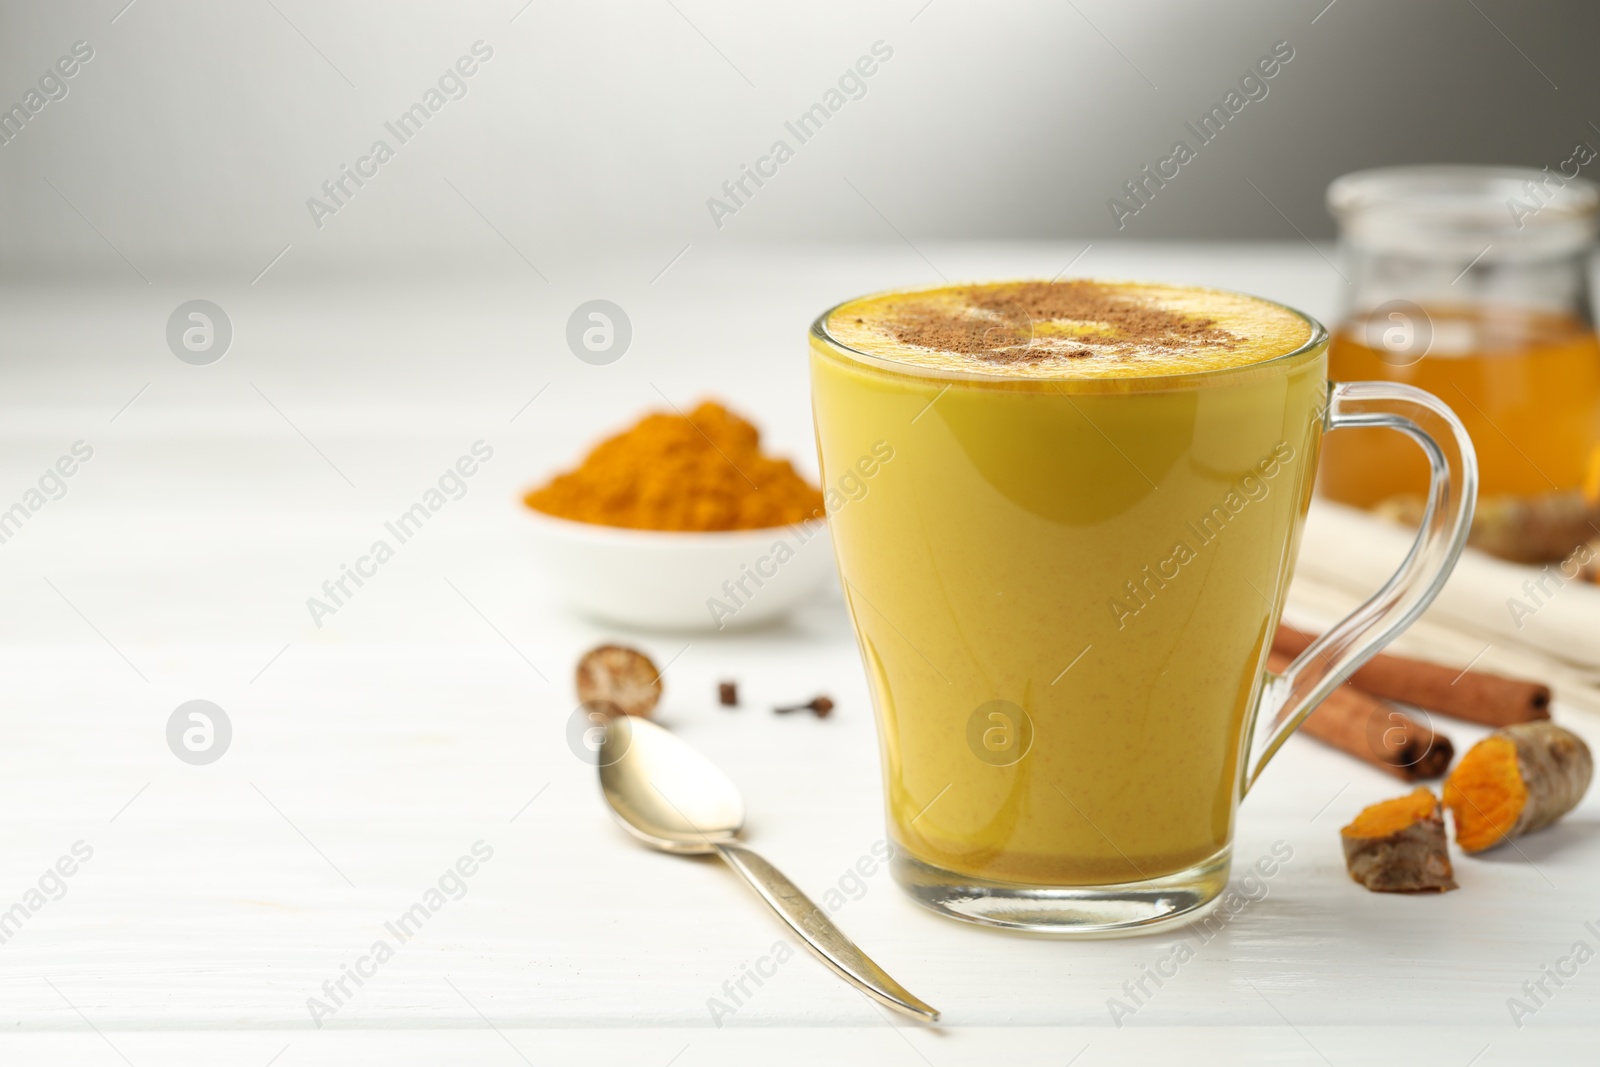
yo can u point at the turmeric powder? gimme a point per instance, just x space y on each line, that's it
703 471
1517 780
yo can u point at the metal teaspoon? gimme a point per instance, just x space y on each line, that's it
674 799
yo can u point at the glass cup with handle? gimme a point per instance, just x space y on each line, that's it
1064 590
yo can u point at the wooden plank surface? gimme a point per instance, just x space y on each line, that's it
428 715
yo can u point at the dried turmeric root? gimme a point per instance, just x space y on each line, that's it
1398 846
1543 529
1517 780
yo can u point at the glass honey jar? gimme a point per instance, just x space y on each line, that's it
1473 283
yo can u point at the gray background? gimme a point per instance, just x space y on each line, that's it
191 142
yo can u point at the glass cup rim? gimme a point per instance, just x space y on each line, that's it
1317 338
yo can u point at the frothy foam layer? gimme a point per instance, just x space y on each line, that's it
1069 329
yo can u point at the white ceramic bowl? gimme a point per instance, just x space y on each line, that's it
680 581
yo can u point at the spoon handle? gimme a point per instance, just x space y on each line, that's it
823 938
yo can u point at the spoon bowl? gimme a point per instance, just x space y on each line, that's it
664 792
672 798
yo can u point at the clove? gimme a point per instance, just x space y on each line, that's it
820 706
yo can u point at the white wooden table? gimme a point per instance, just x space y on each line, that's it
428 715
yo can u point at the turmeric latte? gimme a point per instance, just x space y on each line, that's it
1068 329
703 471
1062 660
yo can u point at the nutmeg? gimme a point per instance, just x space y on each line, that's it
622 676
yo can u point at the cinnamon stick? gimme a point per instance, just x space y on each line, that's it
1374 732
1472 696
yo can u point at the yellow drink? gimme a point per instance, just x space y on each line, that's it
1065 577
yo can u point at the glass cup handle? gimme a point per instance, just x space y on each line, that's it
1288 698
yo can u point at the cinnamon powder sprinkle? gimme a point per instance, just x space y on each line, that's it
1007 334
